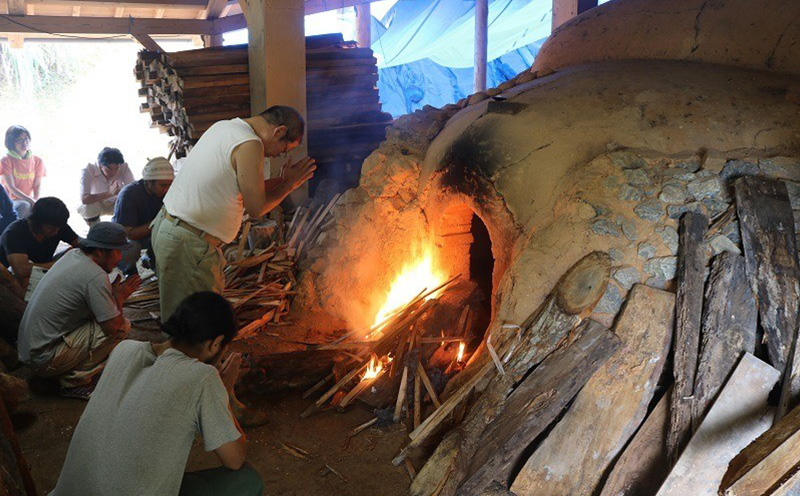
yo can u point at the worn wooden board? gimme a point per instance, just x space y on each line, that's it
610 408
535 404
768 239
771 459
688 314
738 416
643 466
729 330
547 329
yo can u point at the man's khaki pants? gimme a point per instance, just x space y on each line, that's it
81 354
185 264
96 209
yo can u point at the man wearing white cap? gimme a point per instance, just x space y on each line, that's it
137 206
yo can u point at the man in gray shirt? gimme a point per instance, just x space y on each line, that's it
74 318
135 434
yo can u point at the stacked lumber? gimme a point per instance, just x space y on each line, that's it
186 92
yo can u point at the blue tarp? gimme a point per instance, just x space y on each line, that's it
425 48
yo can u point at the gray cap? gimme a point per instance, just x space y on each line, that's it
107 235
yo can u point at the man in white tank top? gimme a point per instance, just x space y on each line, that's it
222 177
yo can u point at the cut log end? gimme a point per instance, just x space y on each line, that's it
584 284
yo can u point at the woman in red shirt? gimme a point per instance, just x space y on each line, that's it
21 172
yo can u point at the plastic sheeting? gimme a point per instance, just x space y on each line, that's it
444 30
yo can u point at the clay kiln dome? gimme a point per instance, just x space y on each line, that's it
598 155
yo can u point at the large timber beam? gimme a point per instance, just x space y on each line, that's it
117 25
363 25
167 4
16 7
277 56
213 11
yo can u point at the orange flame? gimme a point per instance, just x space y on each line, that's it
414 279
460 351
373 369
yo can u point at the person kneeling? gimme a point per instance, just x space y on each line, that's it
136 433
74 318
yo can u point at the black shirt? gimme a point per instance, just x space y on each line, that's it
18 238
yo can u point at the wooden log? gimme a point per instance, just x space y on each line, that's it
208 70
770 251
729 330
739 415
768 463
534 405
643 466
545 331
16 479
610 408
688 314
214 80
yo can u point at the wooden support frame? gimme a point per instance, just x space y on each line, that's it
167 4
113 25
148 42
481 44
363 25
317 6
16 7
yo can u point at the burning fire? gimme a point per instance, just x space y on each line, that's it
415 278
373 369
460 356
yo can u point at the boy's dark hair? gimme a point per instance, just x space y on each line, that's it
92 249
281 115
50 211
12 135
202 317
110 156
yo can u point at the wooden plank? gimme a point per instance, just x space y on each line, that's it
610 408
643 466
542 333
104 25
739 415
688 314
534 405
214 69
148 42
729 330
139 4
766 463
770 252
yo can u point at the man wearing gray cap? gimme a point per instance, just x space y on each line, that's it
74 318
137 205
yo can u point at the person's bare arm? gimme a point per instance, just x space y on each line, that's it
12 188
232 454
22 265
138 232
121 291
37 185
248 161
87 199
114 326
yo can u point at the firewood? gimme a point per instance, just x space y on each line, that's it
610 407
417 400
12 461
543 332
643 465
729 330
739 415
688 312
401 395
769 464
770 251
527 412
428 386
315 407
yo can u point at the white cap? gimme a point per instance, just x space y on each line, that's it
158 169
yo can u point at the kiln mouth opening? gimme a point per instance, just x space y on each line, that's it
466 248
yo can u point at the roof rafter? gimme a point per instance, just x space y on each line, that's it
114 25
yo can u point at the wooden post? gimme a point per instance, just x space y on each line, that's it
213 10
277 56
564 10
481 43
363 25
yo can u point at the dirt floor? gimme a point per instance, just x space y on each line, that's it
364 462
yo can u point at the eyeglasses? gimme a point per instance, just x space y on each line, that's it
24 139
